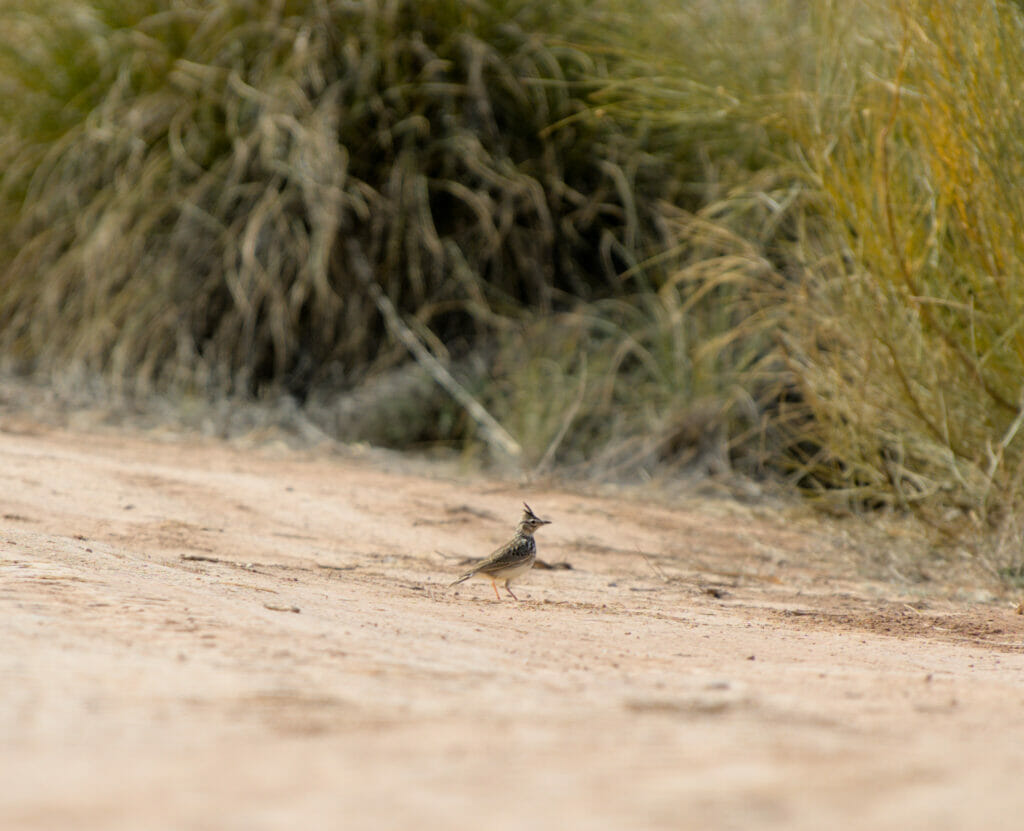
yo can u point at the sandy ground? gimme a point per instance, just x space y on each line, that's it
197 635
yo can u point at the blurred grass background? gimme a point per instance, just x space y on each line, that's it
776 239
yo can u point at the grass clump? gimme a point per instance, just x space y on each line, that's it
911 351
199 184
191 177
681 370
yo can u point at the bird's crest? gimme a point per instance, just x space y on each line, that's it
530 520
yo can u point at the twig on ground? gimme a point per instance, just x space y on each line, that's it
493 432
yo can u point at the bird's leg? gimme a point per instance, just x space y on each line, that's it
495 587
508 588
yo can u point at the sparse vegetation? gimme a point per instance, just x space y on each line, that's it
764 237
910 352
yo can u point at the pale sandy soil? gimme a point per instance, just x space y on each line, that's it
197 635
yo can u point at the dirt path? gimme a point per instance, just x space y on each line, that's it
200 636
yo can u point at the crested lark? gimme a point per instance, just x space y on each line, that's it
513 559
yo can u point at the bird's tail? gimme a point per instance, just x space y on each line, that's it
463 578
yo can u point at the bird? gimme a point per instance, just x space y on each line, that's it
513 559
